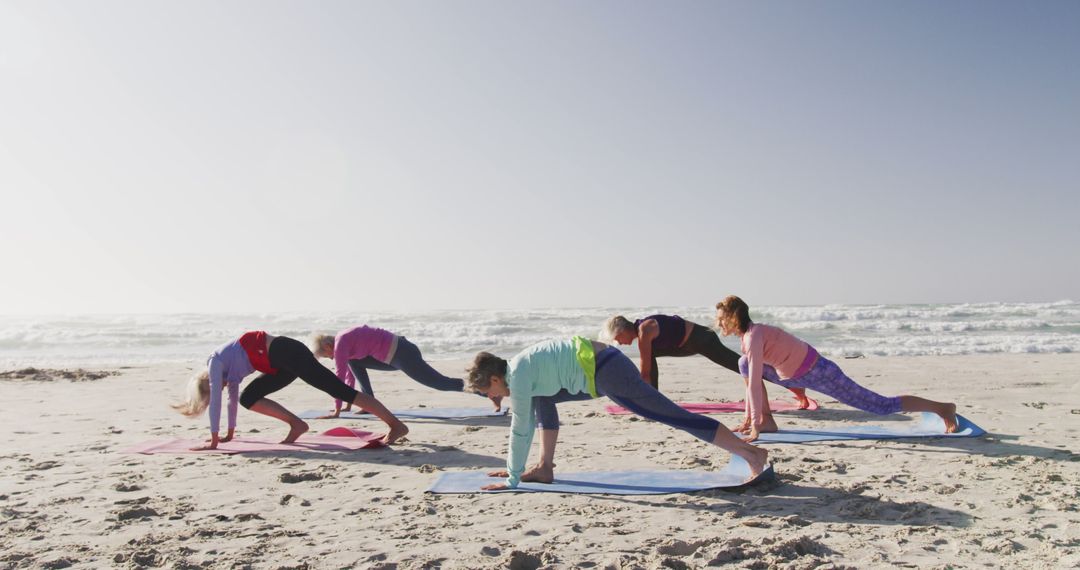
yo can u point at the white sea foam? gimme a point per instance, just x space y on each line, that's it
838 330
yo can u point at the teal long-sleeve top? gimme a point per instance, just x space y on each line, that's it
540 370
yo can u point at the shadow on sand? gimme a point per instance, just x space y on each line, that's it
809 504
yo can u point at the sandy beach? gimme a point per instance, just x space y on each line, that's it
69 496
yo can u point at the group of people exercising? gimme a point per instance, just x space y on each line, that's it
541 376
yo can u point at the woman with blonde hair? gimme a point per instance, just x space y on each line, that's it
672 335
800 365
281 360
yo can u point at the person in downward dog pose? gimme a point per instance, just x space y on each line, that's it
672 335
575 369
280 360
363 348
800 365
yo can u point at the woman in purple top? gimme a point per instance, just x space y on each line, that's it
363 348
281 360
672 335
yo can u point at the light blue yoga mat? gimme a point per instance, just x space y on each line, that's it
929 425
423 413
734 475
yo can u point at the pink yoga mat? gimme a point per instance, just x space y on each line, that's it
720 407
337 439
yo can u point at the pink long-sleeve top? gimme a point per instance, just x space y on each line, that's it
764 344
359 343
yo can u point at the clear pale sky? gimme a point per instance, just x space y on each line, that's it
263 156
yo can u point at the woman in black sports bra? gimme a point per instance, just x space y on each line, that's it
672 335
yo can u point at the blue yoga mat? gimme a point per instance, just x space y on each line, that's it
611 482
425 413
929 425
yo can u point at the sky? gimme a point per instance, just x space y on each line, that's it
206 156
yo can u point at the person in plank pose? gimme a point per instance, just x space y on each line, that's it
800 365
575 369
672 335
359 349
281 360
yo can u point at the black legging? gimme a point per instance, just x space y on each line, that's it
292 359
701 341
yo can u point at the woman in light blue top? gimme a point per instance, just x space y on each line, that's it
575 369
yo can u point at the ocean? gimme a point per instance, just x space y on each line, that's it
836 330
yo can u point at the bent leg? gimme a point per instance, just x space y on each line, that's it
263 385
297 426
298 359
547 420
547 415
254 398
769 373
359 368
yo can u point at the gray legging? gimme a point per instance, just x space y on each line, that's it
618 379
407 358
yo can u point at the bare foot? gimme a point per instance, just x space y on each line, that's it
539 474
800 395
768 425
948 413
756 457
295 431
397 431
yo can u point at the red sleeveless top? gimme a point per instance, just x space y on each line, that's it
254 344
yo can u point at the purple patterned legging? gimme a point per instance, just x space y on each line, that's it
826 377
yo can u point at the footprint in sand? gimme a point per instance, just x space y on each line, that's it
300 477
133 513
44 465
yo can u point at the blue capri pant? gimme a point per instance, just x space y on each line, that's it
826 377
618 379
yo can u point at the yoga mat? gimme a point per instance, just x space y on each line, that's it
337 439
719 407
734 475
928 425
423 413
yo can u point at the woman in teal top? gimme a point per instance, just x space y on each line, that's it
559 370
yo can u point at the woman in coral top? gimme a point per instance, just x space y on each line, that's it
281 360
799 365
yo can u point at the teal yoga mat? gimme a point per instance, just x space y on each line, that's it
928 425
733 476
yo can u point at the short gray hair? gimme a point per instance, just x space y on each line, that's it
615 325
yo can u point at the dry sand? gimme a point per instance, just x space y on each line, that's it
70 498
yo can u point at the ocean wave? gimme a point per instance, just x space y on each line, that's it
885 330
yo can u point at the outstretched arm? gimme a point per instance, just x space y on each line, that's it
217 376
234 399
343 372
755 388
522 426
646 333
